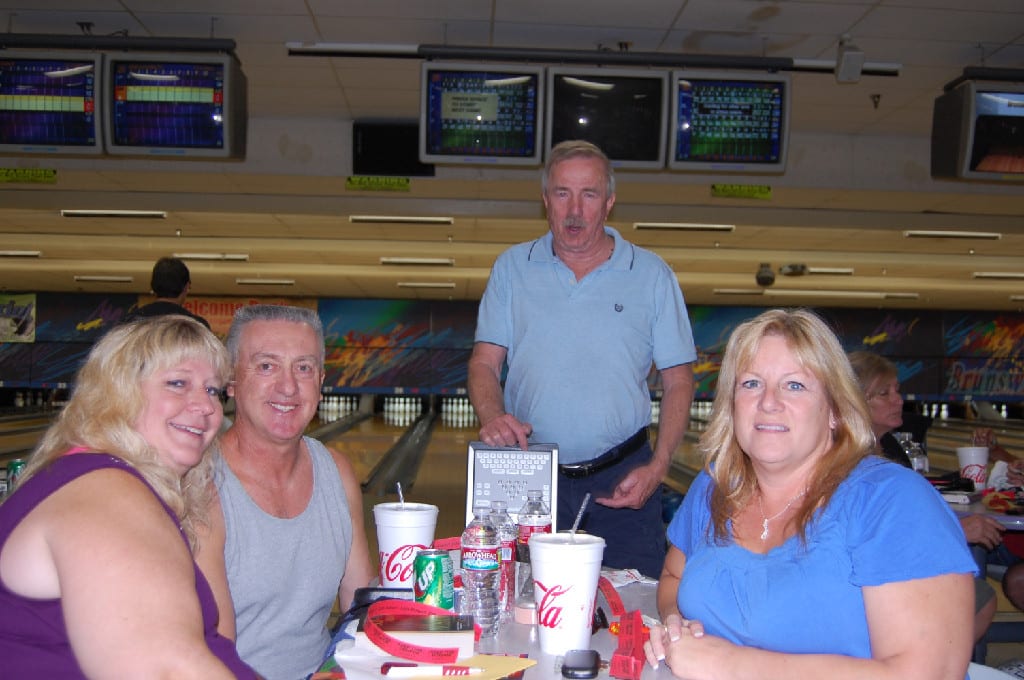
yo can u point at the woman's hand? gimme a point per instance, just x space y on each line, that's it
662 637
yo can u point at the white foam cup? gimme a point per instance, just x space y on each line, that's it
565 574
973 461
403 529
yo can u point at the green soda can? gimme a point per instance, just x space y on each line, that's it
14 469
434 578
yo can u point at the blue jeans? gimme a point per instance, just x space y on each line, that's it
633 538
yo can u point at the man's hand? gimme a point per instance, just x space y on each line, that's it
982 530
505 430
636 487
1015 472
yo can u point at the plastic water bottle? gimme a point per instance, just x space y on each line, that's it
915 452
507 538
533 517
481 572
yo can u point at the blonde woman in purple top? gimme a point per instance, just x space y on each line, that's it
97 578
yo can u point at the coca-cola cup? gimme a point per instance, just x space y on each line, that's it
403 529
565 570
973 464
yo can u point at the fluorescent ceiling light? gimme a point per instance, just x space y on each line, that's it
852 294
684 226
265 282
868 68
154 214
506 82
998 275
1017 298
103 279
67 72
737 291
426 284
938 233
368 49
20 253
799 269
233 257
400 219
153 77
442 261
839 271
588 84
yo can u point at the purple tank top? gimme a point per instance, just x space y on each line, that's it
33 638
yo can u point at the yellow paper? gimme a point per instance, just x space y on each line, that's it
496 666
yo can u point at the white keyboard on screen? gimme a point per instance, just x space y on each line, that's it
507 473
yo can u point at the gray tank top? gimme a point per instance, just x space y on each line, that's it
284 573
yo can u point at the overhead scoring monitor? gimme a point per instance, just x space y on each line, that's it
622 111
480 114
729 122
978 132
175 104
49 102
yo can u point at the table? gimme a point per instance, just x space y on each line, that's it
517 638
1011 522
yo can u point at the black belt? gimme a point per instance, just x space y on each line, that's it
612 456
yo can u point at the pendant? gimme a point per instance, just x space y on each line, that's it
764 530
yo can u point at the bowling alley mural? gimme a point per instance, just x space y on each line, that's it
422 346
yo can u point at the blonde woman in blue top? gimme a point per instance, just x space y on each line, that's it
796 554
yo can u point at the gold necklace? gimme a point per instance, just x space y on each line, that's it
765 520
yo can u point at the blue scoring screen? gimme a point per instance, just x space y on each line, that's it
163 104
48 102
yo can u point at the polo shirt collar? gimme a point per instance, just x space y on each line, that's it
622 256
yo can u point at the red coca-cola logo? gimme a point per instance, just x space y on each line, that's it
397 566
549 609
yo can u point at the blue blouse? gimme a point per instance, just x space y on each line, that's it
885 523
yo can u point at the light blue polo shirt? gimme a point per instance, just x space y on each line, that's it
579 353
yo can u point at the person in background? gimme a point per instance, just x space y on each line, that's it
1013 577
95 543
984 436
170 283
286 534
580 315
796 554
879 380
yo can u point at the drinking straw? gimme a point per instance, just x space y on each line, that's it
579 516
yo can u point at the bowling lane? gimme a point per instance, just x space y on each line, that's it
441 477
366 443
19 435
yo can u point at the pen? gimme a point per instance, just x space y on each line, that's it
411 670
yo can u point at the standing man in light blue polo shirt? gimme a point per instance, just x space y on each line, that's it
580 315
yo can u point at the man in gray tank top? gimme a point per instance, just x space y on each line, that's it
286 529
